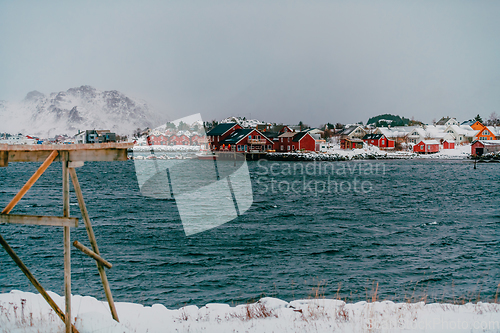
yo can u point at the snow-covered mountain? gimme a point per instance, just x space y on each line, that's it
80 108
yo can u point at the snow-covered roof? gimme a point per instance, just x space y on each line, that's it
465 130
417 131
430 142
489 142
495 130
395 132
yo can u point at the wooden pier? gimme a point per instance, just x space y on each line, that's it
71 156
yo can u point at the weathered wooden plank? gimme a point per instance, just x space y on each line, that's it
33 280
30 182
93 242
92 254
105 155
40 220
90 155
67 241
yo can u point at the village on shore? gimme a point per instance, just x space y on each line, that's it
446 137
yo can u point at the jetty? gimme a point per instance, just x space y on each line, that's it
71 157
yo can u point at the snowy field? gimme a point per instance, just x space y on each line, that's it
28 312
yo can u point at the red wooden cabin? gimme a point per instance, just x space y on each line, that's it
379 140
426 147
448 144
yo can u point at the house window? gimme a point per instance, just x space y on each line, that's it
421 147
293 147
383 141
281 148
249 137
246 148
239 147
288 147
258 137
486 133
281 141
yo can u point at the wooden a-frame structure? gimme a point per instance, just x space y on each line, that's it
71 156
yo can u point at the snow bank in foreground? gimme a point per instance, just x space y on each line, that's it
28 312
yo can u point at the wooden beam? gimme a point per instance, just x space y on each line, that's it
67 242
93 242
33 280
30 182
67 147
40 220
103 155
91 254
96 155
112 151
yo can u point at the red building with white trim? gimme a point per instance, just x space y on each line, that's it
246 140
158 140
219 133
479 147
426 147
379 140
448 144
304 141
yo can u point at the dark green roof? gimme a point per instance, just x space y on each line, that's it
237 136
221 129
299 136
372 136
271 135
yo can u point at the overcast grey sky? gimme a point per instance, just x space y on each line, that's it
280 61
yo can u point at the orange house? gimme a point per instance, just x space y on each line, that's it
484 133
477 126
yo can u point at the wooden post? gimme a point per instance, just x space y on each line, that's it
67 242
93 242
30 182
33 280
4 158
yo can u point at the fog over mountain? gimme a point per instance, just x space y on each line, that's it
80 108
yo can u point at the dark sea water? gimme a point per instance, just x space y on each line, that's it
417 228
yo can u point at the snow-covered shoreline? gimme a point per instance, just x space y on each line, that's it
333 154
370 152
28 312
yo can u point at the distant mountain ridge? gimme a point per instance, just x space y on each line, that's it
79 108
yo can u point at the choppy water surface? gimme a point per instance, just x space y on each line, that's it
417 228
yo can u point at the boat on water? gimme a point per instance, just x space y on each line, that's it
206 155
